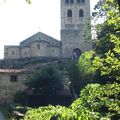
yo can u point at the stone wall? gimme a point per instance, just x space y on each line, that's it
75 19
25 52
72 27
11 52
72 39
35 46
39 49
54 51
8 88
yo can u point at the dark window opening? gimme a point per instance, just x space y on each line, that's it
78 1
66 1
38 46
71 1
81 13
69 13
83 1
76 53
13 78
13 52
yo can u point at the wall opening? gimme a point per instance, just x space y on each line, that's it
76 53
69 13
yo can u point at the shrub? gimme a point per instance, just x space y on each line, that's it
20 98
50 113
98 101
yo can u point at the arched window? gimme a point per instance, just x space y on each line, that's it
83 1
78 1
76 53
69 13
66 1
71 1
38 46
81 13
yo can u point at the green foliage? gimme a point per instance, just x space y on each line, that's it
28 1
20 98
85 65
4 110
50 112
96 101
46 80
99 101
81 72
87 31
103 101
108 46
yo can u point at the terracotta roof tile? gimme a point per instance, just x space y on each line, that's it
12 70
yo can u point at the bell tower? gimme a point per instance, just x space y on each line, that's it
74 14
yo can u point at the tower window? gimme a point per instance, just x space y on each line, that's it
81 13
69 1
78 1
69 13
66 1
83 1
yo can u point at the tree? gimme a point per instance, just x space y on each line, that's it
46 81
98 102
108 46
28 1
102 101
81 72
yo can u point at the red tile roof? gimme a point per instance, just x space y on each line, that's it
12 70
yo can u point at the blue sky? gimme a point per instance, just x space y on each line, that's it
19 20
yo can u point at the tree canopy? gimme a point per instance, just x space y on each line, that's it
46 80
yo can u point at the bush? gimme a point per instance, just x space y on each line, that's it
98 101
20 98
81 72
50 113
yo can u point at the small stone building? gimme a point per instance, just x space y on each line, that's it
11 81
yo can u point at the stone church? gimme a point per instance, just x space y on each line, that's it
73 17
74 14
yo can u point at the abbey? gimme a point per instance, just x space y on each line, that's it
74 14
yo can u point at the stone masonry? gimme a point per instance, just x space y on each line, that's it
11 81
74 14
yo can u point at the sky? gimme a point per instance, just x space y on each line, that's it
19 20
